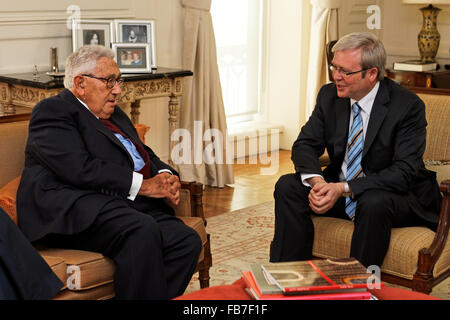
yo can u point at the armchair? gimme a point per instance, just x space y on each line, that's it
96 271
417 257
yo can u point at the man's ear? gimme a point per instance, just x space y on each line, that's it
373 74
78 84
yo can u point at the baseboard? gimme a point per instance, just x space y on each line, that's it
255 139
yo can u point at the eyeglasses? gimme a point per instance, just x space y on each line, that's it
110 82
344 73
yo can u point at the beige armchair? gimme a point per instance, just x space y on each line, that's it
95 271
417 257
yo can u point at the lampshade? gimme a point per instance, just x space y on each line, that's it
426 2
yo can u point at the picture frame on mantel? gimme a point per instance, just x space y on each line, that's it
99 32
137 31
133 57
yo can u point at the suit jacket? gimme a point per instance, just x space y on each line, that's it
393 145
74 165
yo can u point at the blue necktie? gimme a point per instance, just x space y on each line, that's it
355 145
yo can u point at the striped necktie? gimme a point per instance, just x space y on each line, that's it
355 145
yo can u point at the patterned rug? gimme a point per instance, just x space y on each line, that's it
242 237
238 238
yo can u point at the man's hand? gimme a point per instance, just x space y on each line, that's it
163 185
323 196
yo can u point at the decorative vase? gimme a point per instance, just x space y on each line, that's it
429 37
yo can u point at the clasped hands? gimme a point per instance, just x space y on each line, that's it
323 195
163 185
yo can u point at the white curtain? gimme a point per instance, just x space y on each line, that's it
202 112
324 28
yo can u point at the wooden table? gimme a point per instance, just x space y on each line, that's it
19 93
429 79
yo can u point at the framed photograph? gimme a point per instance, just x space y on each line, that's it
100 32
133 57
135 31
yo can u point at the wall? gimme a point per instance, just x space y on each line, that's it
288 55
29 28
282 90
400 24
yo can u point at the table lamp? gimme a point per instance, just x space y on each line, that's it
428 37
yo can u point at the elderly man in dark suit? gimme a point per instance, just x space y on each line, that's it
374 132
89 183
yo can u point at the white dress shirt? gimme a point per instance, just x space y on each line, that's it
366 105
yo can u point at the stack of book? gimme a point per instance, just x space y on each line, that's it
415 65
338 279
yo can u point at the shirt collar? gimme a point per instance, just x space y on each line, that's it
367 101
84 104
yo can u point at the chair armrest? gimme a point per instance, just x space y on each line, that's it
193 193
429 256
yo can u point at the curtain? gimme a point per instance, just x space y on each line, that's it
323 29
202 111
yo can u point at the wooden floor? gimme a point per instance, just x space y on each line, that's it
250 186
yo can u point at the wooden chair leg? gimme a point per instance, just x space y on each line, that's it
203 277
203 267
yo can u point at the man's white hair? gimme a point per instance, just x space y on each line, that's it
84 60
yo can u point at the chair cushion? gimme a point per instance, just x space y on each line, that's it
332 238
58 266
95 269
102 292
8 198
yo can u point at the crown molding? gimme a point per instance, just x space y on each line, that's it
50 12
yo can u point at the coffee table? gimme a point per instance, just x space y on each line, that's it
236 291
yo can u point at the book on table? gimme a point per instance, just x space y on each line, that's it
415 65
319 276
253 290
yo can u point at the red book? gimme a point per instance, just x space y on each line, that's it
253 291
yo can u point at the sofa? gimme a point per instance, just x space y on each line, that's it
95 271
417 257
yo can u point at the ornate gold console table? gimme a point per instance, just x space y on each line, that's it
19 93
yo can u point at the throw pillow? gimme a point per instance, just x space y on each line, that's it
8 198
141 130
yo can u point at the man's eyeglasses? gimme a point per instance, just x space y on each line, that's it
110 82
344 73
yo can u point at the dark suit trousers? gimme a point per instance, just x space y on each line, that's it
155 254
377 212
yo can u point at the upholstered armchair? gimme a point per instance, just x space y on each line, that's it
417 257
96 271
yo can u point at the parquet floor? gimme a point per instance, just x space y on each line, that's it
250 186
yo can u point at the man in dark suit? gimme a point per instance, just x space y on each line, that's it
24 274
89 183
374 132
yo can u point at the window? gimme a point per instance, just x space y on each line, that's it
237 28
